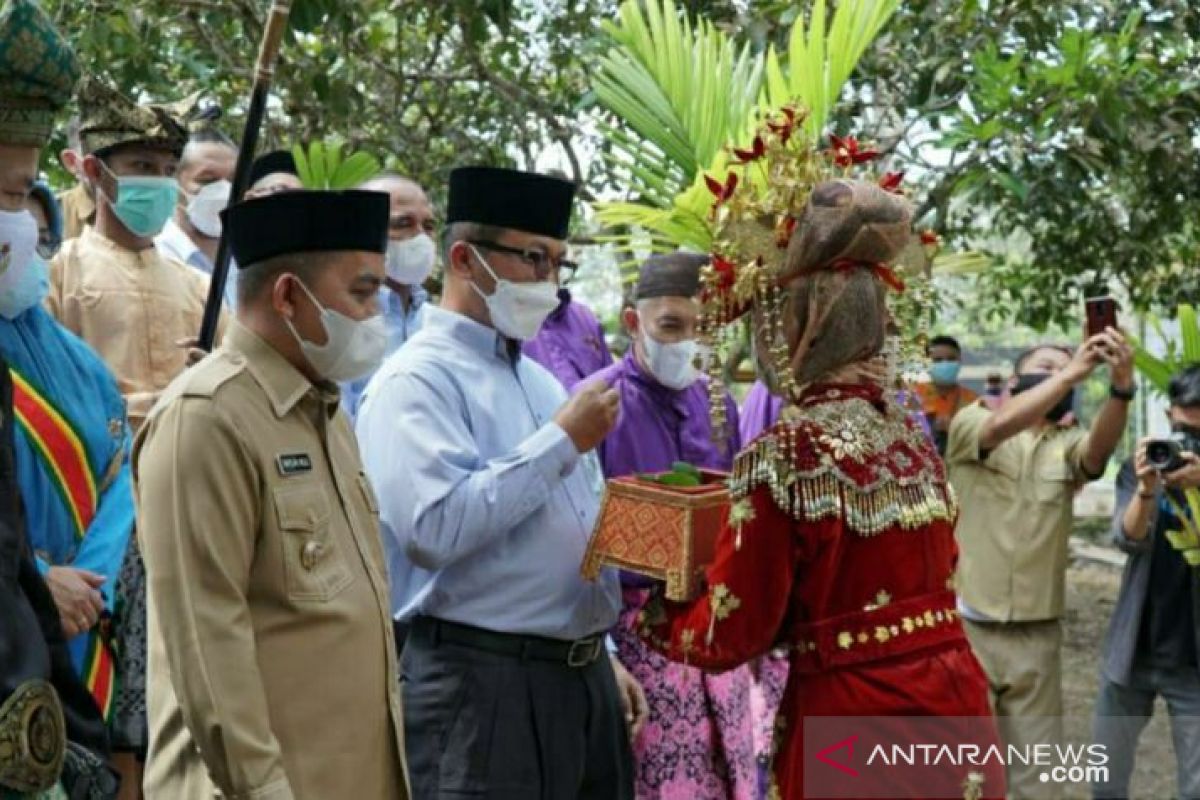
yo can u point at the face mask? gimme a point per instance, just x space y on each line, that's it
518 309
24 275
1060 409
944 373
671 364
144 204
352 348
409 262
205 207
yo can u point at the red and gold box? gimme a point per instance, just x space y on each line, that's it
664 532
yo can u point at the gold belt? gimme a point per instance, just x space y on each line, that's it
896 629
33 738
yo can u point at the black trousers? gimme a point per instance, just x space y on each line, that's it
482 725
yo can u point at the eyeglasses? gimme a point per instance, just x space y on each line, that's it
541 262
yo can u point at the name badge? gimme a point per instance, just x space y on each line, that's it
293 463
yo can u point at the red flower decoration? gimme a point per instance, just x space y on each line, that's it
846 151
757 150
784 231
784 129
928 237
890 182
721 191
726 272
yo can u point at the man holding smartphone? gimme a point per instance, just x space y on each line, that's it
1153 639
1016 471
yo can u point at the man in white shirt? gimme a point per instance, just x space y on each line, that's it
205 175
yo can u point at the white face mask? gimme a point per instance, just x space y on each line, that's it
205 207
24 275
672 364
518 309
352 348
410 261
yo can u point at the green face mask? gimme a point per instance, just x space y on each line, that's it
144 204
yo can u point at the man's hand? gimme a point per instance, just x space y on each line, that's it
77 594
589 415
194 354
1187 476
1148 477
633 699
1109 347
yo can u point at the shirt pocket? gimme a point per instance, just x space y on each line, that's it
314 566
1054 482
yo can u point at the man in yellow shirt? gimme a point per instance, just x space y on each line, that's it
1016 471
111 286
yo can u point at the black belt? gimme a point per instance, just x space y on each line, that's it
579 653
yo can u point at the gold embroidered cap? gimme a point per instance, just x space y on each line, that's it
110 119
38 71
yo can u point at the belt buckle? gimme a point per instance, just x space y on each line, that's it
583 652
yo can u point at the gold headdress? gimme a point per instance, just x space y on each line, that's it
785 209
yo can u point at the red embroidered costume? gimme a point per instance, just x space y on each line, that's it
840 547
839 544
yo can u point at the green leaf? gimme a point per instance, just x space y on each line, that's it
1190 333
302 169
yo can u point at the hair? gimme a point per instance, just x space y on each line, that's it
463 231
1184 389
1025 355
943 341
847 312
49 203
207 135
254 279
387 177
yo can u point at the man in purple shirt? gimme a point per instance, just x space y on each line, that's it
570 343
699 740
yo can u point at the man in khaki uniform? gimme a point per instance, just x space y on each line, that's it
1016 471
272 669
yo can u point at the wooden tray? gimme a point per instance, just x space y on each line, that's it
664 532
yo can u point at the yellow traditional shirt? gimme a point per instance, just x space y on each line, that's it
272 668
1016 507
78 209
132 308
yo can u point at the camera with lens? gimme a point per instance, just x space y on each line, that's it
1166 455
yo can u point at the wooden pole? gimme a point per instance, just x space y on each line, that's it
264 70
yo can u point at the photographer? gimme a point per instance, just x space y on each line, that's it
1152 643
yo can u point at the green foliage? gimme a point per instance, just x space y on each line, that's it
425 86
1180 353
323 167
682 93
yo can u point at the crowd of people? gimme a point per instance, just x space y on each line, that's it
339 557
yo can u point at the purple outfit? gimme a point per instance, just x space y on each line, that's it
570 344
760 409
700 739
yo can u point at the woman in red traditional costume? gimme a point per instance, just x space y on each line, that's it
840 543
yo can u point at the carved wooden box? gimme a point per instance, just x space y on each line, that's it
664 532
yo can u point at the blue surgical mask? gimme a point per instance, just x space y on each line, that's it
945 373
144 203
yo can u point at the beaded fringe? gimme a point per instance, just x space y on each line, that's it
827 493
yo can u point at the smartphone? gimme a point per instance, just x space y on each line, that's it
1101 313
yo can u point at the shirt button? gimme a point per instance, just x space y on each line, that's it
310 553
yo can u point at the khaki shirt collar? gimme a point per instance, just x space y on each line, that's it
284 385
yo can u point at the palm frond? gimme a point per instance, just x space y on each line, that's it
322 166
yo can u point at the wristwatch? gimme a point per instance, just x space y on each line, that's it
1122 394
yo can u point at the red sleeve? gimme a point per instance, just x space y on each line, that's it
746 594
